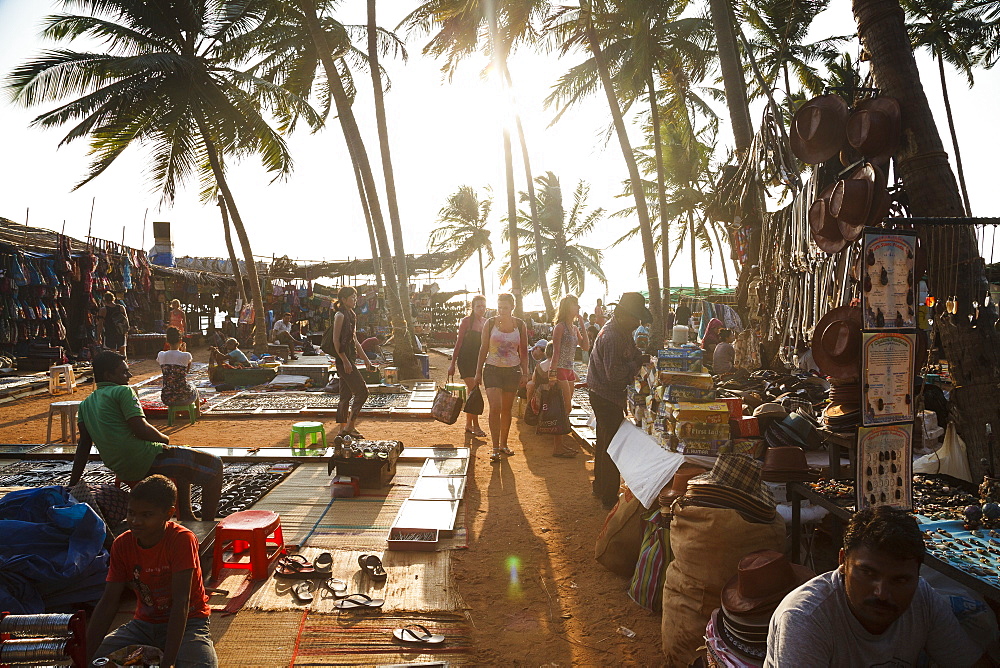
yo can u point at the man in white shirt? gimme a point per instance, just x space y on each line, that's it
282 333
875 610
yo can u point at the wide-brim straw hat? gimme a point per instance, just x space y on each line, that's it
739 472
873 129
819 129
837 342
762 579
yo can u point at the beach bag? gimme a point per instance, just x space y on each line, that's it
646 587
474 404
326 343
446 406
553 418
618 543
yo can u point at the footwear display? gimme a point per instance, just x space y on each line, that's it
359 601
295 567
372 566
335 586
302 591
323 564
417 634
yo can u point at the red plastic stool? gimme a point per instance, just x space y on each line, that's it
254 529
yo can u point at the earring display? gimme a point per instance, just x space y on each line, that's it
884 476
887 298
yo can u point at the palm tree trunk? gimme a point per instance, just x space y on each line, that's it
955 266
260 327
722 255
403 353
376 257
954 137
402 272
694 251
535 223
645 229
661 197
482 276
237 274
732 73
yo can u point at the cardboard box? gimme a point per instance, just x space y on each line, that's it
677 393
684 360
746 426
714 412
345 487
735 407
755 447
700 380
685 430
708 448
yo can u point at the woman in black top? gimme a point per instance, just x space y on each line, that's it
114 324
466 355
347 346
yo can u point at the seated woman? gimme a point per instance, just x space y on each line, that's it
237 357
175 365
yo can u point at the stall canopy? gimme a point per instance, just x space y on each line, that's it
430 262
206 278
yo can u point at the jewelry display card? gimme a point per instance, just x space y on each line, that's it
887 295
887 375
884 465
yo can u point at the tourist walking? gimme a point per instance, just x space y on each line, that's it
614 362
600 316
502 368
177 318
112 323
568 331
352 384
175 365
466 355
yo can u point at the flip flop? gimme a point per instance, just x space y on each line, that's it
335 586
507 451
359 601
409 634
302 591
323 564
295 569
372 565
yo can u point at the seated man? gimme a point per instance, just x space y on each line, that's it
282 333
157 559
874 610
236 356
373 346
112 419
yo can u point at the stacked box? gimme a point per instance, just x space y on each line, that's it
699 428
685 359
745 426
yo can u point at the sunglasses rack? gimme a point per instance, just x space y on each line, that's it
30 640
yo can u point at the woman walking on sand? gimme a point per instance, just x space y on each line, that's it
568 332
347 346
466 356
176 318
502 368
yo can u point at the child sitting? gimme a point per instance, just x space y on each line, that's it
158 559
540 379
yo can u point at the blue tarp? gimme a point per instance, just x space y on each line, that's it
51 551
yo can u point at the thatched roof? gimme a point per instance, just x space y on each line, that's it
430 262
206 278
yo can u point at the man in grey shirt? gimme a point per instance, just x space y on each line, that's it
874 611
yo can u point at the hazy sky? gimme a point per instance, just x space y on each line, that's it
443 135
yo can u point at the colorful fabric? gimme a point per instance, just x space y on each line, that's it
177 320
148 571
646 587
177 461
504 347
567 347
177 391
105 414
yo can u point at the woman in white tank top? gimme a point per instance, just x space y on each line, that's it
502 368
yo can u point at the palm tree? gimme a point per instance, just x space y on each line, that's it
464 231
566 262
161 82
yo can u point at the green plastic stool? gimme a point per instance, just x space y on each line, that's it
304 429
457 387
191 410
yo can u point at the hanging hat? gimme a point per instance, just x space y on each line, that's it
819 129
739 472
858 206
825 228
786 464
874 128
837 342
762 579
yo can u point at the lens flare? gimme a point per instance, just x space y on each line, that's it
513 568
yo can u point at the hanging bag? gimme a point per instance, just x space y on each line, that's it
531 413
474 405
646 587
553 418
446 406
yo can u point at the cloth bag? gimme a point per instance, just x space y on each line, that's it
618 543
530 414
553 418
474 404
446 406
707 545
950 459
646 587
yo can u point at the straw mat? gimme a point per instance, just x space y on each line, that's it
301 499
258 639
416 581
338 640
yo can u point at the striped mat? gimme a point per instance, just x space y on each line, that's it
342 640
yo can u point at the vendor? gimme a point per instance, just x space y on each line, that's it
112 419
614 362
725 354
875 609
282 333
236 356
373 346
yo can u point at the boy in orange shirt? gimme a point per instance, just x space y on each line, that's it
158 559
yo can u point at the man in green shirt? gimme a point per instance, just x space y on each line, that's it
112 419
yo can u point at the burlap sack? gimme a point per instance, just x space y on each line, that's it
618 543
707 545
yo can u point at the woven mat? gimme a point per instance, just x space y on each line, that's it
415 581
301 499
337 640
362 522
258 639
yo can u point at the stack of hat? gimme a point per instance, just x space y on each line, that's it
678 485
794 430
824 127
844 411
749 599
836 343
734 482
787 464
768 414
843 209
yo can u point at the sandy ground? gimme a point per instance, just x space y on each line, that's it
534 593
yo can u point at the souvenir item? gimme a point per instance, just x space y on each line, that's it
818 129
884 467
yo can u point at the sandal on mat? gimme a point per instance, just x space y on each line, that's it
335 586
294 567
302 591
323 564
417 634
359 601
372 565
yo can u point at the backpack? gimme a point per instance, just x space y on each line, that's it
326 344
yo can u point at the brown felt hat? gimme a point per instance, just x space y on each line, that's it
819 129
837 342
762 579
785 464
874 128
825 227
679 484
856 206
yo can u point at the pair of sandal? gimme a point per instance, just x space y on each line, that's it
497 455
478 433
303 591
372 566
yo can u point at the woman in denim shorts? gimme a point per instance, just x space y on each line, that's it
502 368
